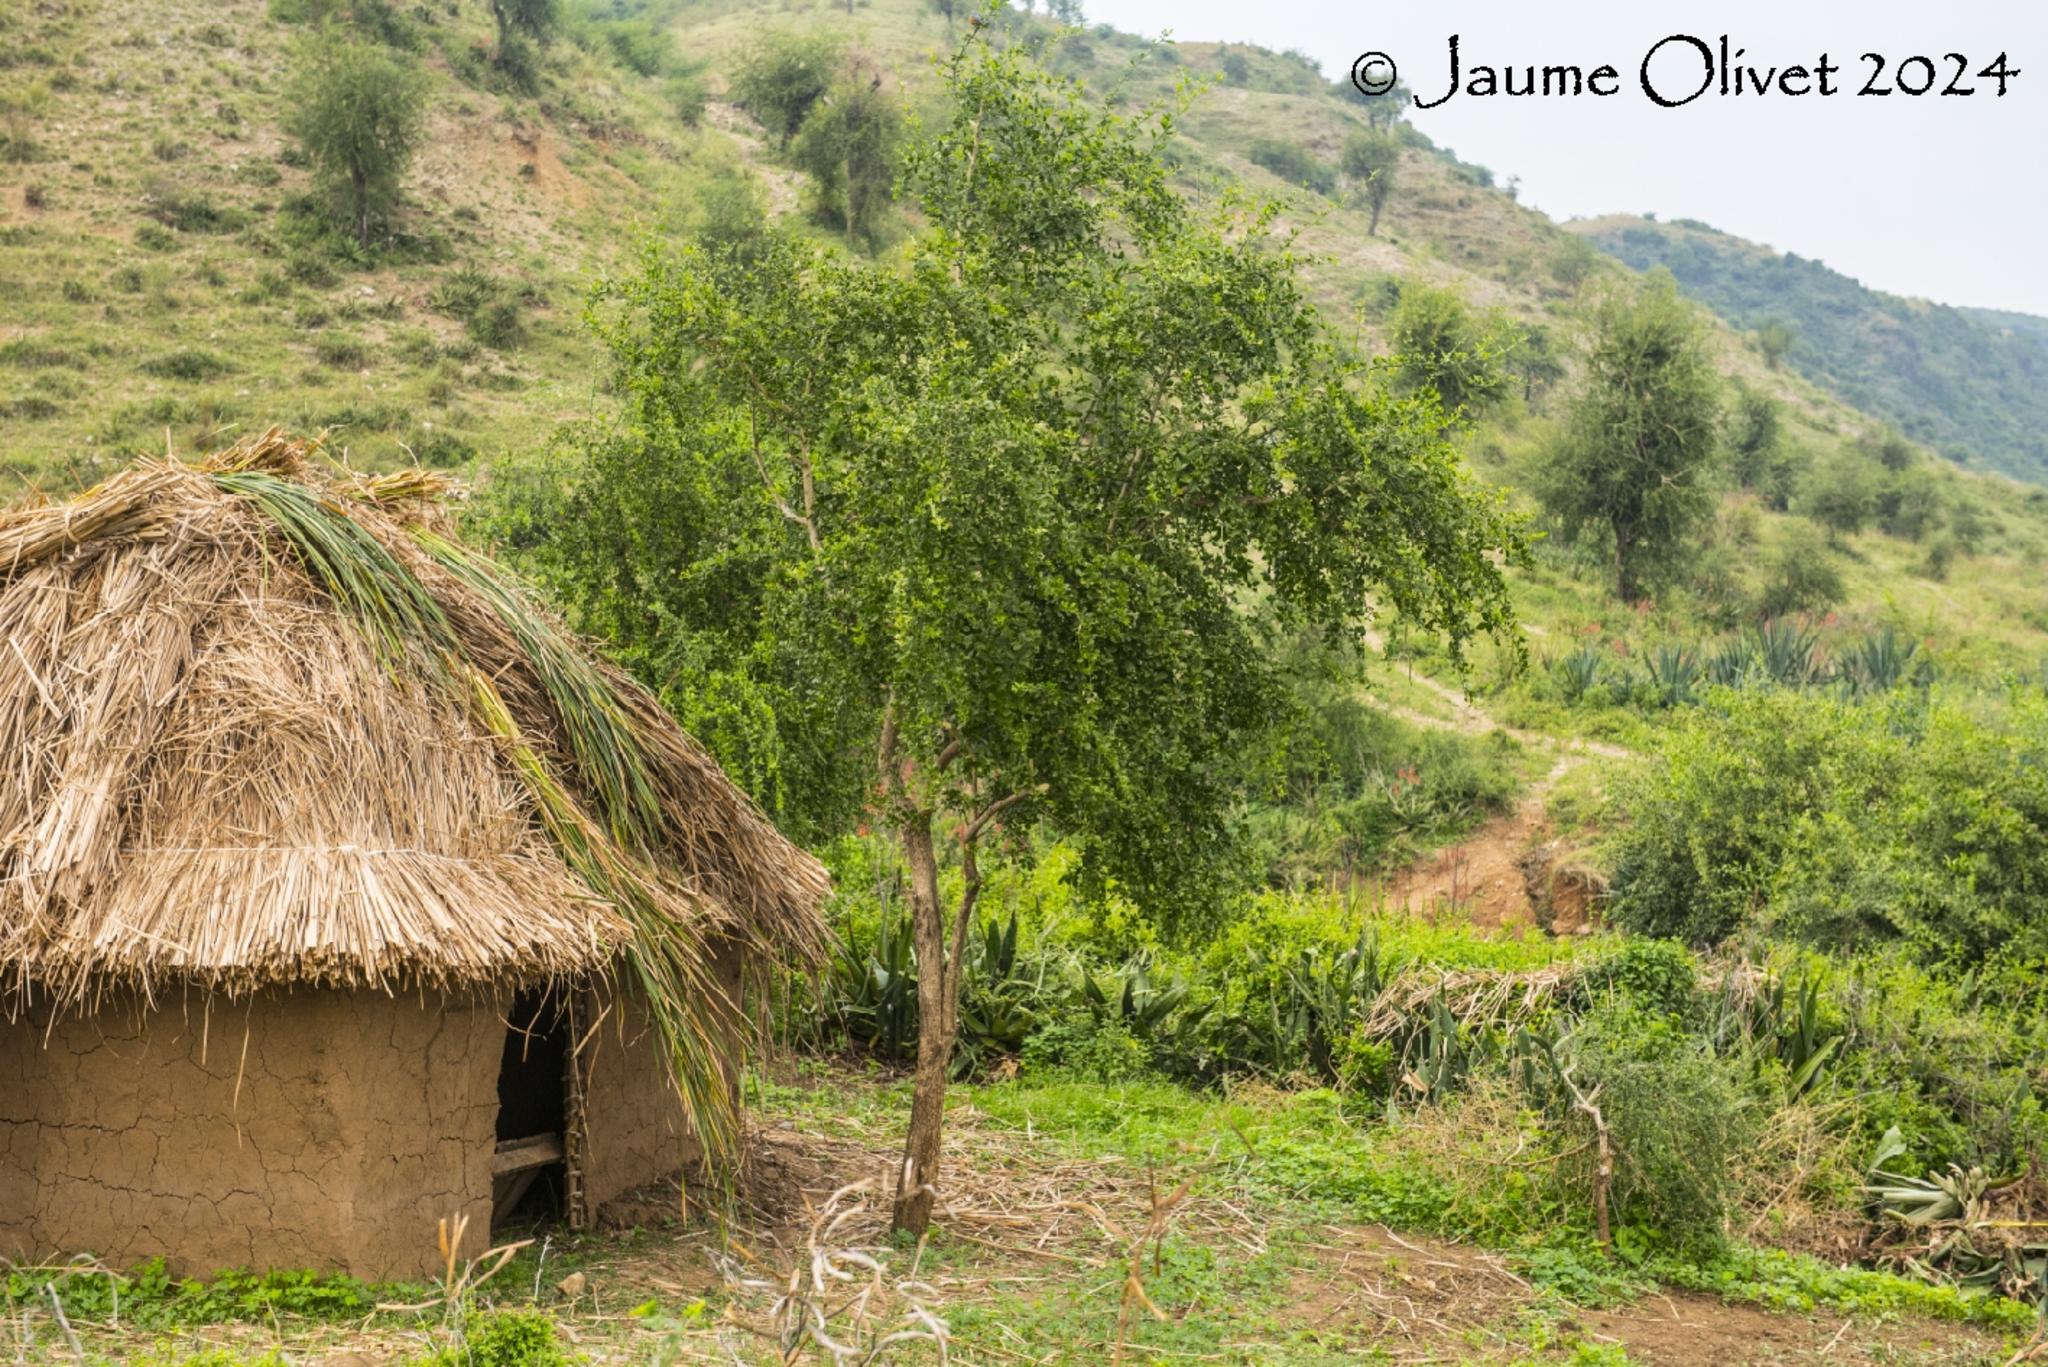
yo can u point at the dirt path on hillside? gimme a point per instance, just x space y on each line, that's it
1504 873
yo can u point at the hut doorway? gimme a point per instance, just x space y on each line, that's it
529 1169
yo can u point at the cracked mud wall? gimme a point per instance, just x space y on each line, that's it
336 1137
634 1131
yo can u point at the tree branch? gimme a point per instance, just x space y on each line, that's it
979 822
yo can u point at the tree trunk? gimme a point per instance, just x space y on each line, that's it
360 184
917 1183
1372 229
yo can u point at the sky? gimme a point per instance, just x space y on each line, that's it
1945 198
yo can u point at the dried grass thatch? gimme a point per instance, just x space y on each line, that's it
268 728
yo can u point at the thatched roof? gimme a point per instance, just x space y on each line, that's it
262 727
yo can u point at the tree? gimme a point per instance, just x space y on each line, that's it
782 76
731 214
358 110
1635 447
1840 493
1774 338
996 535
1369 162
848 144
1759 458
1439 344
521 19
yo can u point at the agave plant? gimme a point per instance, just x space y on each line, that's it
1963 1227
1578 673
1788 652
1881 662
1730 666
1674 675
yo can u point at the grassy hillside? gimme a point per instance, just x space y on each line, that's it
169 278
1971 383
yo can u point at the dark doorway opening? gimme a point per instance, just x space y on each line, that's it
528 1169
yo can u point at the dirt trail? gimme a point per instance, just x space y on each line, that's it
1486 874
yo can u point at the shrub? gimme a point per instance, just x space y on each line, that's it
1441 344
186 365
782 75
1293 165
1800 576
153 238
501 1338
341 351
1675 1117
1899 817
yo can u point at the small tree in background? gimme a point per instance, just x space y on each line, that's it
1634 454
1840 493
731 216
1440 344
782 76
519 20
1774 338
999 536
358 110
1759 457
1369 162
848 144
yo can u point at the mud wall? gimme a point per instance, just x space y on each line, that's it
318 1129
633 1127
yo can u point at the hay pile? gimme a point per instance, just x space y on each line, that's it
267 728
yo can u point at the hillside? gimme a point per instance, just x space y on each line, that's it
1971 383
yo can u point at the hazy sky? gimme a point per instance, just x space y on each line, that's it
1945 198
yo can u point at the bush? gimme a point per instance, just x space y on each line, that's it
1675 1116
1800 576
1842 822
341 351
782 75
1440 344
1293 165
186 365
501 1338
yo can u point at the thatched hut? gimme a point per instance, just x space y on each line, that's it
341 890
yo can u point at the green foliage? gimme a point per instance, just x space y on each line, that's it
1293 165
358 111
926 434
190 365
150 1297
1656 976
489 312
1759 457
1800 576
1371 161
1632 455
1774 338
1673 1110
732 215
501 1338
849 146
783 74
1440 344
1839 493
1840 823
1964 381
